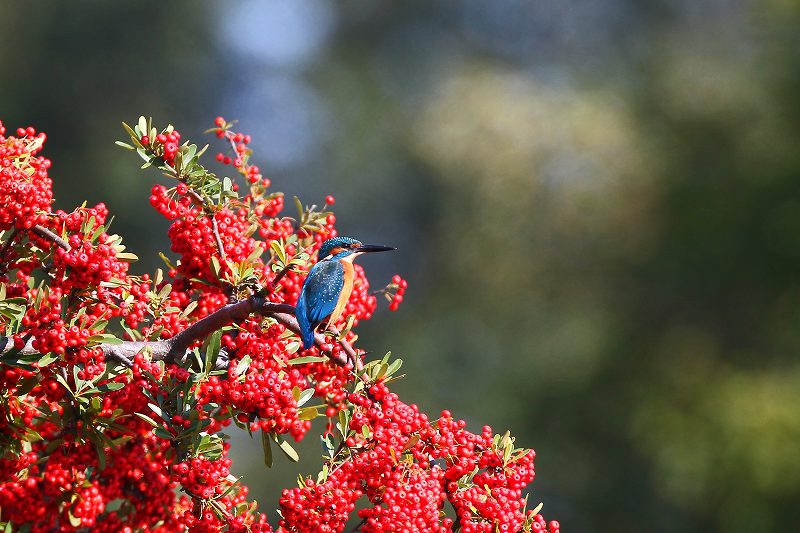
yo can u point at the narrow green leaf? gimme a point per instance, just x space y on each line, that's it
104 338
286 448
164 292
265 444
124 145
304 397
74 521
157 410
242 366
110 386
299 205
127 257
166 260
394 367
162 433
216 268
307 359
212 350
308 413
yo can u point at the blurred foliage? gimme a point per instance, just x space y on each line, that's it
597 205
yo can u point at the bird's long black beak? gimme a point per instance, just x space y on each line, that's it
367 248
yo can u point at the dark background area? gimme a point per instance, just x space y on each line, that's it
596 204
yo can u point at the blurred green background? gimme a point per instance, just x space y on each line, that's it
597 206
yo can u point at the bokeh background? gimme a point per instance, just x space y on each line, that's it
597 206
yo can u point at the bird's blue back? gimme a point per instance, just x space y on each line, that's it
318 297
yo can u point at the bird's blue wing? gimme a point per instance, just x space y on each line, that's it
318 297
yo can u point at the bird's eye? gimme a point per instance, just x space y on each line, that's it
355 245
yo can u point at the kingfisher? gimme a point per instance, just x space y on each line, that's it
329 284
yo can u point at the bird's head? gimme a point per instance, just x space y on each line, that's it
340 247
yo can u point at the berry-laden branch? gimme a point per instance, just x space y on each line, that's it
115 388
175 349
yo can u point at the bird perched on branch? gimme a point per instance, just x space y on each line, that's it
329 284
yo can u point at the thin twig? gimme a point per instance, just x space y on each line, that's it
41 231
215 228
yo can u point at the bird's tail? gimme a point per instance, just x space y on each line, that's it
306 327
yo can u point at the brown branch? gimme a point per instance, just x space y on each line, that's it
41 231
217 238
175 349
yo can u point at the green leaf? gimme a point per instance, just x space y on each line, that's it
130 131
344 423
286 448
188 309
410 443
212 350
394 367
292 347
382 368
147 419
304 397
127 257
110 386
267 449
308 413
104 338
164 292
328 448
99 448
307 359
299 205
162 433
242 366
216 268
210 446
166 260
160 412
46 359
73 520
26 385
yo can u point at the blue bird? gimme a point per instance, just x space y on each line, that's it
329 284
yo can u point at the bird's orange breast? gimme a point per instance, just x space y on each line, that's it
344 296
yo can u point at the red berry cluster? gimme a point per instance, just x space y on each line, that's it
407 467
91 258
263 394
25 188
201 476
165 145
399 285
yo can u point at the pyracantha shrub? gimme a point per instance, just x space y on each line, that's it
114 387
